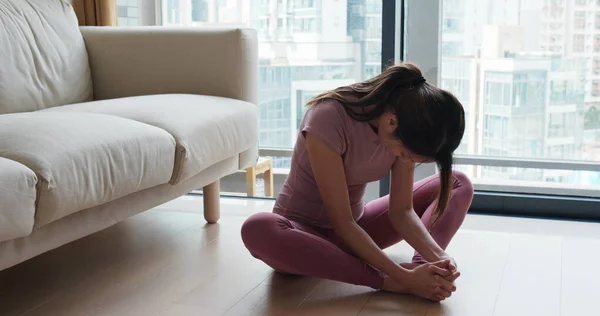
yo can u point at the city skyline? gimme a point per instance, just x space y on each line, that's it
527 71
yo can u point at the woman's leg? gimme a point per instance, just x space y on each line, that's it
291 247
424 202
376 223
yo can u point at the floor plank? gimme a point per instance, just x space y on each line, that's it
481 258
335 298
391 304
580 277
532 277
277 295
186 310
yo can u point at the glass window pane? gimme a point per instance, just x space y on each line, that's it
529 71
128 13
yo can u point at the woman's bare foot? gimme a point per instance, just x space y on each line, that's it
390 285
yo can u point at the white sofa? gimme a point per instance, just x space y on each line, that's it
99 124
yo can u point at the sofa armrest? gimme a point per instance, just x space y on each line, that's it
132 61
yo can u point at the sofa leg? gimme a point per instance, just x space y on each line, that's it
211 195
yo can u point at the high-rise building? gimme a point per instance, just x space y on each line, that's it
572 28
530 109
535 75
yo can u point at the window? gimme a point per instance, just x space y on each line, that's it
451 49
578 43
452 26
127 12
304 4
596 88
460 88
498 93
580 19
561 125
529 89
307 25
535 103
199 11
373 51
373 26
373 6
565 92
495 127
554 26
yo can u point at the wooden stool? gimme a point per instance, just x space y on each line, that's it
264 165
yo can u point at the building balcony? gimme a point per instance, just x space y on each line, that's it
498 110
566 98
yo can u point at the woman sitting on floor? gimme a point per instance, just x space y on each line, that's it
349 137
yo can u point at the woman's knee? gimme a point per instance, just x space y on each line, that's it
462 181
463 186
260 228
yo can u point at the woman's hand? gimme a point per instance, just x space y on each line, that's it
447 273
451 264
447 269
432 281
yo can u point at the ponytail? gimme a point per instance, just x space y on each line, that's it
444 163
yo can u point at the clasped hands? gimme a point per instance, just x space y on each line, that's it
434 280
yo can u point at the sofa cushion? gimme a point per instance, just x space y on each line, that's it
17 199
44 61
84 159
207 129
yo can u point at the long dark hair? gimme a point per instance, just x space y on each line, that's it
431 120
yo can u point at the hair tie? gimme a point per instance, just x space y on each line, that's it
419 81
416 83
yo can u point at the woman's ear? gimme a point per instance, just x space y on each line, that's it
391 122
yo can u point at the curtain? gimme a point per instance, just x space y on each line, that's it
96 12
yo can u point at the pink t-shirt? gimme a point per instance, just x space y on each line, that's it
365 160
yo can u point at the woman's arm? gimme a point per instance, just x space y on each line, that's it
403 217
328 170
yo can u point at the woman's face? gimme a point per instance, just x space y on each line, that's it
387 125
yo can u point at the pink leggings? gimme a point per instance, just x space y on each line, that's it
296 248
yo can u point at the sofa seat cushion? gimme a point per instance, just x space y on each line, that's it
84 159
17 200
207 129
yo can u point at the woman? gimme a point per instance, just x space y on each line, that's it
349 137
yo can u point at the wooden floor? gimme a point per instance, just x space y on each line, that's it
168 262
